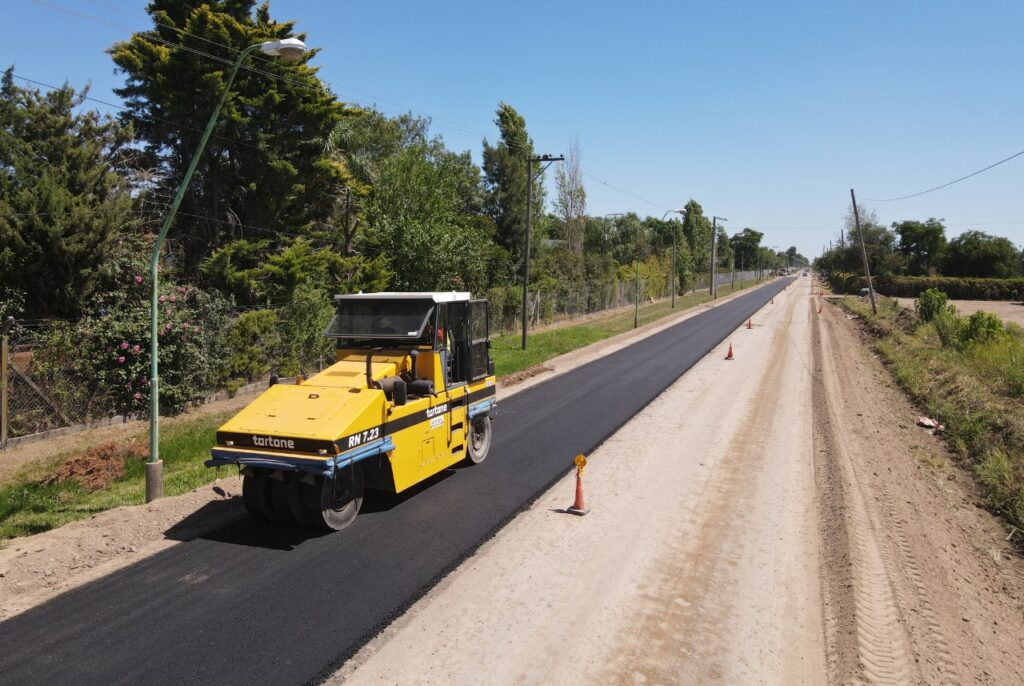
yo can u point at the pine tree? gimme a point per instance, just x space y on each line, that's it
504 167
266 165
62 201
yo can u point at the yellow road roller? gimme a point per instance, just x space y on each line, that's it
411 393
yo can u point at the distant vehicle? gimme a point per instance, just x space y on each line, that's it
411 393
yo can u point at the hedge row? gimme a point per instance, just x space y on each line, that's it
956 288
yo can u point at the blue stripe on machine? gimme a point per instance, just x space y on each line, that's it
221 457
481 408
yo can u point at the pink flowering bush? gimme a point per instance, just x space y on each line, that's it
100 365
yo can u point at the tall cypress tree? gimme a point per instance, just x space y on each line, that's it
266 165
504 167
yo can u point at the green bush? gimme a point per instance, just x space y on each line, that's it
947 325
954 287
100 365
930 303
981 327
251 343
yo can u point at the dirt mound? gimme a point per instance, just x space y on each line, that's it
523 374
99 466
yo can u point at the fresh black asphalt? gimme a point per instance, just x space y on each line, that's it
252 604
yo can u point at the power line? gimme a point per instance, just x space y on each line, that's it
945 185
453 126
456 127
185 127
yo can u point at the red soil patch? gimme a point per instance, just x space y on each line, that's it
99 466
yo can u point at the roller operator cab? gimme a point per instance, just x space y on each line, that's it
411 393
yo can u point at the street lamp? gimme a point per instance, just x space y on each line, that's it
529 218
288 50
681 211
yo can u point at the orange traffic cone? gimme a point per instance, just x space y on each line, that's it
750 324
578 506
729 356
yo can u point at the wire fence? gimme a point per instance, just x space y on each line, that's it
35 401
29 406
548 305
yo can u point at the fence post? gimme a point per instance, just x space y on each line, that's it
5 329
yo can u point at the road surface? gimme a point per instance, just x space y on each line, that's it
247 604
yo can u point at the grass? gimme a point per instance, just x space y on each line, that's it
975 390
28 506
509 357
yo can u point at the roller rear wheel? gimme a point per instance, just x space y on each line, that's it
280 492
340 499
479 439
257 496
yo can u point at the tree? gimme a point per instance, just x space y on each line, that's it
723 249
266 165
923 244
745 245
975 253
879 243
794 258
504 168
571 201
697 230
418 219
62 201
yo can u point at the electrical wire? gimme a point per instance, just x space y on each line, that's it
946 185
456 127
184 127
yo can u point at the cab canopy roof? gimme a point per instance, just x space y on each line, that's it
440 297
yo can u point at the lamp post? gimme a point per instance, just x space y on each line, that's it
682 212
529 220
289 50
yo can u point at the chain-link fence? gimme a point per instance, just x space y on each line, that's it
549 304
38 397
29 406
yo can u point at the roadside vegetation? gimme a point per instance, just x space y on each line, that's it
968 373
69 487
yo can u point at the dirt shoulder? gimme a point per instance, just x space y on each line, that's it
36 568
918 573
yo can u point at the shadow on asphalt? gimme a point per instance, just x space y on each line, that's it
382 501
225 521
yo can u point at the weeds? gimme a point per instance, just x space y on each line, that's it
969 374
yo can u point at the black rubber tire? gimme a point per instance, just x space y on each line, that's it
251 495
256 495
304 501
279 498
340 499
478 442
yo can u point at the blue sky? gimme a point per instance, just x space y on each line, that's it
766 113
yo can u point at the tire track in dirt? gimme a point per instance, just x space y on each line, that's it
857 581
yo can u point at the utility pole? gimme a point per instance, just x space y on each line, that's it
529 221
863 252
